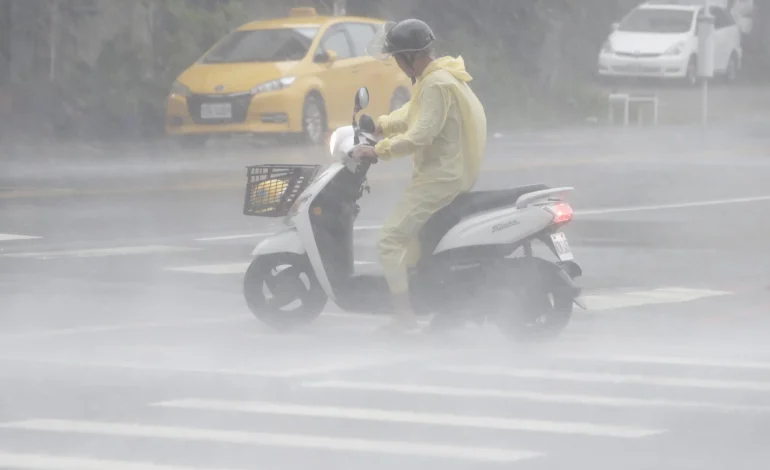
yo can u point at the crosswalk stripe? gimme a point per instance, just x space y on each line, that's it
410 417
268 234
347 364
50 462
609 378
674 361
231 268
103 252
655 296
596 303
464 392
6 237
296 441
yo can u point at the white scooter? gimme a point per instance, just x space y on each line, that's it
466 272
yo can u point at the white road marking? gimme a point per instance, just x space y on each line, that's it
681 205
674 361
595 303
103 252
332 366
5 237
610 378
234 237
142 367
295 441
411 417
655 296
231 268
50 333
551 143
268 234
66 462
123 327
596 400
602 211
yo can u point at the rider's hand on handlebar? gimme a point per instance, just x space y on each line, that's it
364 152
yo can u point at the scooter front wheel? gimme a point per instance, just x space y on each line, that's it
282 291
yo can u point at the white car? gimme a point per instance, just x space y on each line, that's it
659 39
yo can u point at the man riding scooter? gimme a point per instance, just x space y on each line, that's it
444 128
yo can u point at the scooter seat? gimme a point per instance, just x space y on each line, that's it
467 204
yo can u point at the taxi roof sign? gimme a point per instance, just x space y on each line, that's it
303 12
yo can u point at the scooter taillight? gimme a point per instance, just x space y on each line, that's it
562 212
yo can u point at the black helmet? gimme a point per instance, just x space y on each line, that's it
410 35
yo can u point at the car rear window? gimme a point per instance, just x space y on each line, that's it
263 45
651 20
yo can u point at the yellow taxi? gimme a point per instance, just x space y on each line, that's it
296 75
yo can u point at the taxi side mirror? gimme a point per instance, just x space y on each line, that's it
326 57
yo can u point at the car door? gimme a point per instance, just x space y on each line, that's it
733 33
724 37
337 76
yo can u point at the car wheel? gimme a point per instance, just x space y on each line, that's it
314 119
691 78
399 99
731 74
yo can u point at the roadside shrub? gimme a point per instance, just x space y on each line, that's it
123 94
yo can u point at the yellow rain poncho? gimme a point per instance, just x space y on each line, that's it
444 128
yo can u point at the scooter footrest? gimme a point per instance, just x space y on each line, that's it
367 294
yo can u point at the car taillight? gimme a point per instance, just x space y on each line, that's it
562 213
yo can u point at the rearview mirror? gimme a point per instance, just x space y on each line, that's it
362 98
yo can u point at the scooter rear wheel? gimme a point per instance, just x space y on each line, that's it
283 292
534 308
543 316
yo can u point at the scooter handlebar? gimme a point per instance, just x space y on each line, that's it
366 124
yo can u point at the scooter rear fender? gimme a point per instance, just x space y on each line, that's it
287 241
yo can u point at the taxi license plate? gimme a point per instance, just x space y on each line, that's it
216 111
561 245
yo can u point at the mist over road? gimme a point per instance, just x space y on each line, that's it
125 337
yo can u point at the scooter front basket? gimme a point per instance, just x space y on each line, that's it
272 189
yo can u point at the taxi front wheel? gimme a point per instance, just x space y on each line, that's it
314 119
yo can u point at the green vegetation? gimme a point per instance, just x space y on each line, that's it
532 61
129 82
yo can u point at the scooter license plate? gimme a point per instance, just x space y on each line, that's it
561 245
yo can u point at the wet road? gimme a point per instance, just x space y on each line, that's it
125 339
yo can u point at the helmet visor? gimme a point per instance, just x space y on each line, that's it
379 48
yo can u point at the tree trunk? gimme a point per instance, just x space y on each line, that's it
53 40
5 41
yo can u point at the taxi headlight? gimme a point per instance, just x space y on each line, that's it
273 85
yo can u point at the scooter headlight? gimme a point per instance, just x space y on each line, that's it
332 143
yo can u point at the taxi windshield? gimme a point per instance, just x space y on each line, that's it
263 45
